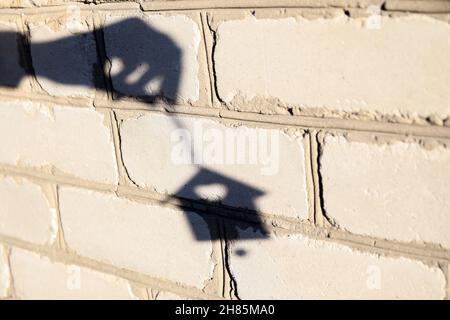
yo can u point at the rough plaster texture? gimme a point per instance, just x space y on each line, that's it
151 145
296 267
154 55
153 240
4 273
27 212
338 64
64 59
75 141
38 277
396 191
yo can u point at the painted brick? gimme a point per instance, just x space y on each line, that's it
27 211
4 274
75 141
64 58
340 64
297 267
37 277
154 55
153 240
151 146
397 191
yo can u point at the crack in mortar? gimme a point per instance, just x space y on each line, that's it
213 63
233 292
119 156
209 61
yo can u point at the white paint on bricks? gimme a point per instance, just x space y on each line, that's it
75 141
148 147
297 267
398 191
148 239
37 277
25 212
338 64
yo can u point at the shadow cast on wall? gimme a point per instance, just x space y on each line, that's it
149 72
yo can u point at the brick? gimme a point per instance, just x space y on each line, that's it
396 191
12 56
153 240
297 267
37 277
64 58
340 64
273 182
28 211
5 276
75 141
154 55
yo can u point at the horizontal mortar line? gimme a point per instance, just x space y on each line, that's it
137 194
37 174
18 96
390 247
249 4
67 257
62 7
370 126
149 7
275 223
302 122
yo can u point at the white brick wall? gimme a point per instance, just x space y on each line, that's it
149 239
75 141
296 267
395 191
62 281
28 211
